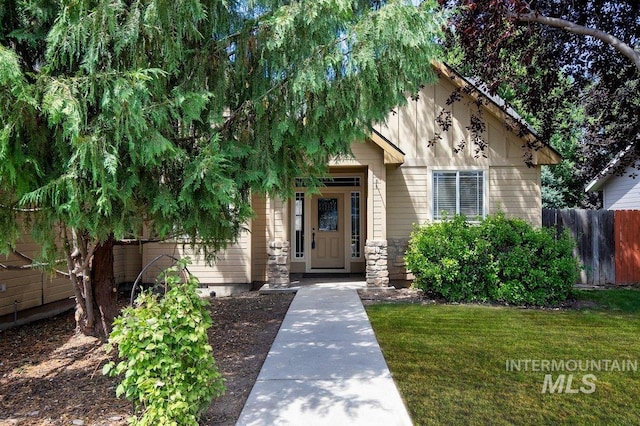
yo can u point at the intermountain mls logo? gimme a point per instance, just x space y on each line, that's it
570 376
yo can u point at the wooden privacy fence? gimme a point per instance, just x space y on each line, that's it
608 242
627 237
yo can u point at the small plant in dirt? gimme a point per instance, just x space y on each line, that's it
500 259
169 371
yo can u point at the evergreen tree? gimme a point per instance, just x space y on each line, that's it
119 115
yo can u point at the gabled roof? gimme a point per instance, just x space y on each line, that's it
498 107
604 175
494 104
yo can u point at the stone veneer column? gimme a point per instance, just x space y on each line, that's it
375 253
396 249
278 264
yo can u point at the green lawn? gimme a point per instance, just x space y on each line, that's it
450 361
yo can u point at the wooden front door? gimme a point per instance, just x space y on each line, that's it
328 229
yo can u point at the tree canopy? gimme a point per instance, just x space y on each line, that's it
118 116
550 54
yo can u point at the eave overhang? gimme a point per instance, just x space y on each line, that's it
392 154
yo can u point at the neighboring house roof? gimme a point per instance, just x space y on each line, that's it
604 175
498 107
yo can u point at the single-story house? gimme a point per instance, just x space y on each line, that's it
620 190
361 221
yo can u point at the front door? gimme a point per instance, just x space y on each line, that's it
327 231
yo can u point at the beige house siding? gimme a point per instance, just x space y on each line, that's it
408 200
30 287
259 239
26 289
279 225
127 263
270 223
55 288
510 185
516 192
232 266
366 154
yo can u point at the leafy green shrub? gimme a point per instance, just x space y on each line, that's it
169 372
534 267
501 259
447 259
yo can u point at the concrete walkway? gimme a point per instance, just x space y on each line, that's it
325 367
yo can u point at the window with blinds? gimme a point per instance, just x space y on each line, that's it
458 192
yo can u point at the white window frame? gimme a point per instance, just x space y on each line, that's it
356 252
299 252
457 170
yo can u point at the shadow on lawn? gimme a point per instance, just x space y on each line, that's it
625 300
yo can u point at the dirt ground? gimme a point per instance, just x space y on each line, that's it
49 375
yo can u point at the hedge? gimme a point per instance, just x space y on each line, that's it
500 260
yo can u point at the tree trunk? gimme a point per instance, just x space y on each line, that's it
105 293
91 273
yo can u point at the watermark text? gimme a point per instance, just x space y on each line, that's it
571 365
570 376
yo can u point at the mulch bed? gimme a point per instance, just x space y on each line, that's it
49 375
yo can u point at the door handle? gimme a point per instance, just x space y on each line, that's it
313 240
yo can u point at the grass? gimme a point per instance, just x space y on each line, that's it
450 361
622 300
